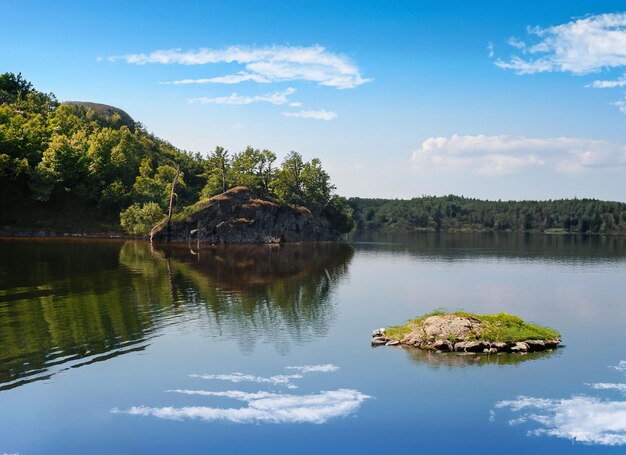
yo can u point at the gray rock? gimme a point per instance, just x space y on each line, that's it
392 343
448 327
378 333
499 346
520 346
443 345
469 346
535 345
551 344
379 341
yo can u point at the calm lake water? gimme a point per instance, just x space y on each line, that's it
120 347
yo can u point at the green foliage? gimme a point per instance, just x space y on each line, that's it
87 159
457 214
507 327
496 327
139 219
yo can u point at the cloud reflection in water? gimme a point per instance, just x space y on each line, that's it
584 419
262 406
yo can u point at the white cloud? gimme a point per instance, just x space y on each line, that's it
621 366
263 406
268 408
581 46
277 380
490 49
325 368
277 98
621 82
242 76
322 114
583 419
519 44
234 394
609 386
621 105
269 63
500 155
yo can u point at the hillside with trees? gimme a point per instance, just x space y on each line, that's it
456 214
87 167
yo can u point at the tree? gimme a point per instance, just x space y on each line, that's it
245 169
155 186
288 181
217 167
139 219
316 186
13 86
266 171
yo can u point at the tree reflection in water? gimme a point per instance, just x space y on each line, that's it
65 303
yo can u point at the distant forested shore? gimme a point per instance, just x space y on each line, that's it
87 168
458 214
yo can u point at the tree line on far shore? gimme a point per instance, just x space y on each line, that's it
457 213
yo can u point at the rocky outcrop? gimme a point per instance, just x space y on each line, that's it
107 112
463 334
240 216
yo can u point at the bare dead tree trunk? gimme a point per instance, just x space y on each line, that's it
171 210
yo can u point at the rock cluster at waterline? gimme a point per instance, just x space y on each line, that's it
464 332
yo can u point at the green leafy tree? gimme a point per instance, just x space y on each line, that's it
288 184
217 166
139 219
316 186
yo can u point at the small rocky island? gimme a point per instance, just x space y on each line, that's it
241 216
468 332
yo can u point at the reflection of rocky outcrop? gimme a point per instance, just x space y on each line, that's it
240 216
66 303
267 293
454 359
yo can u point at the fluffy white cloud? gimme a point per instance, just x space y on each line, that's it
583 419
268 408
277 380
580 418
609 386
263 406
277 98
581 46
621 82
322 114
324 368
280 379
242 76
499 155
269 63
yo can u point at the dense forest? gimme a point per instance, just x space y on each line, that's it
456 213
86 167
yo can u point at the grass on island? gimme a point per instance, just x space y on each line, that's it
496 327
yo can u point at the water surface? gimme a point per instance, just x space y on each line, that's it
124 347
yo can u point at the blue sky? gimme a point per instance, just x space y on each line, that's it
492 99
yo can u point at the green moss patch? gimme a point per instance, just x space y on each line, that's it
496 327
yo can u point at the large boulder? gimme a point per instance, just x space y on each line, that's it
240 216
